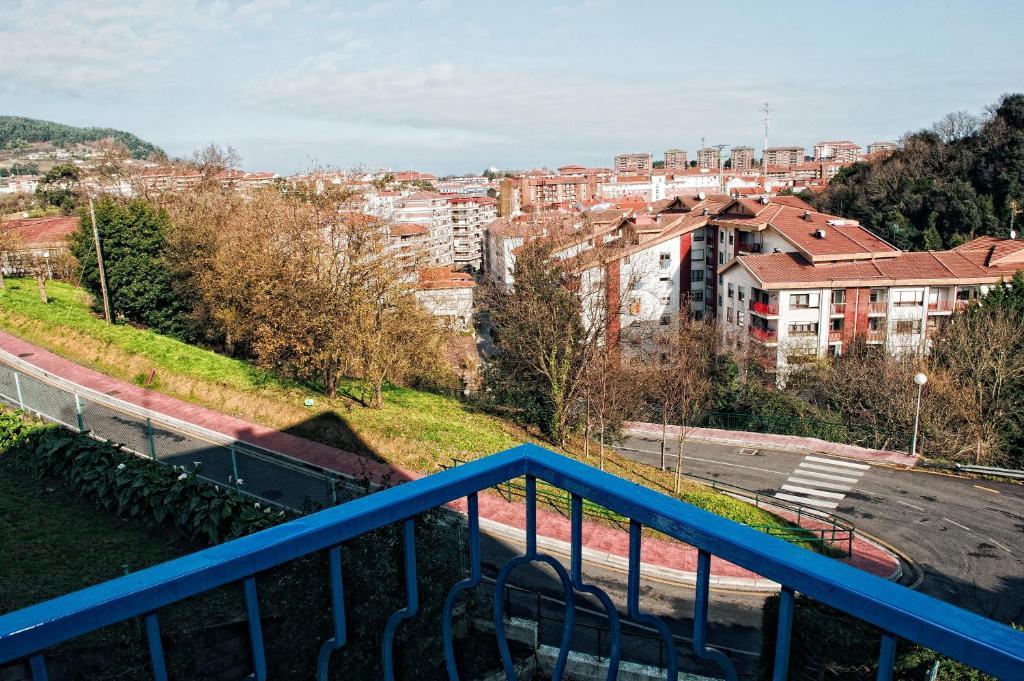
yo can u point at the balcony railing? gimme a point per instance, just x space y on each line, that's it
764 309
946 305
898 612
838 308
835 336
764 335
878 308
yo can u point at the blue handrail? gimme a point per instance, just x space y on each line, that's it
897 611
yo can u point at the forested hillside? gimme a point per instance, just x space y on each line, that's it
17 130
962 178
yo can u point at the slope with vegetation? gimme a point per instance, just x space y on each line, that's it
18 131
961 179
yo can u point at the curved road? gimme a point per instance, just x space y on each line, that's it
966 536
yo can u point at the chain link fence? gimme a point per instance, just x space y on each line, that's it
259 473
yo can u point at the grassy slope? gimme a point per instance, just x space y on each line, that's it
415 429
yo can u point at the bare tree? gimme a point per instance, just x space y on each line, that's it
956 126
10 243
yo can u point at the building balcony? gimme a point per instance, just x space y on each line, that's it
875 336
764 309
764 335
898 613
838 309
835 336
878 308
746 247
946 306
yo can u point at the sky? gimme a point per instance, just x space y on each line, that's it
450 86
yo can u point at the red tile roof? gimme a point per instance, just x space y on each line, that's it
39 231
436 278
408 229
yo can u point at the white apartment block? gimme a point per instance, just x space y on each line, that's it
798 284
432 211
470 216
844 152
709 157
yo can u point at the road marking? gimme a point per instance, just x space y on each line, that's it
906 504
813 492
734 465
999 545
819 483
967 529
805 500
994 491
827 476
847 464
829 469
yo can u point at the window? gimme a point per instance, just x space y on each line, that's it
730 238
803 300
698 297
665 260
698 254
740 316
741 293
636 283
905 298
908 326
839 296
721 279
804 329
721 258
731 291
836 324
666 319
665 300
877 295
665 278
966 293
721 237
728 315
874 324
696 275
698 236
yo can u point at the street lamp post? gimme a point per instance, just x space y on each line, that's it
920 379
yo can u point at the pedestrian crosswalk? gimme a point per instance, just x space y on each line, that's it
821 482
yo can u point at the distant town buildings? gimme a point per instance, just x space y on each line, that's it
709 157
634 162
676 159
784 156
431 211
881 147
741 158
448 295
844 152
470 215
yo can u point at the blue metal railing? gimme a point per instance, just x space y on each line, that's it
898 612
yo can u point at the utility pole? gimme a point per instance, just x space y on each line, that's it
99 262
764 149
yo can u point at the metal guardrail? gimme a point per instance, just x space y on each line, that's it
268 476
896 611
989 470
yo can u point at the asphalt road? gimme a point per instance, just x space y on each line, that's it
967 536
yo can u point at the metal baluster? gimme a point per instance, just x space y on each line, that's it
473 507
17 387
152 441
700 619
633 603
783 635
252 610
156 648
529 556
78 413
886 657
576 573
337 610
412 599
37 664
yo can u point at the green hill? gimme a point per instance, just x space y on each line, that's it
18 130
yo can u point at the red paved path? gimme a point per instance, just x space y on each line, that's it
667 554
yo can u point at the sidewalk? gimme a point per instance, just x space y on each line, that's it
604 545
784 442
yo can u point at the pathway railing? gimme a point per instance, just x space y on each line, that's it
896 611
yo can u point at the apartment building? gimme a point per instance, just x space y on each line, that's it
510 198
676 159
845 151
796 284
470 215
433 212
741 159
555 190
448 295
639 162
882 147
709 157
784 156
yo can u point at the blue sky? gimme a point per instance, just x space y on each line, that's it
450 86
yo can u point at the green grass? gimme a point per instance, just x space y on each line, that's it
414 429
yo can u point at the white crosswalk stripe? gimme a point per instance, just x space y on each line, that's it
821 482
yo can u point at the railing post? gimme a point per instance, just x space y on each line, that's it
78 413
152 442
234 461
17 387
783 635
